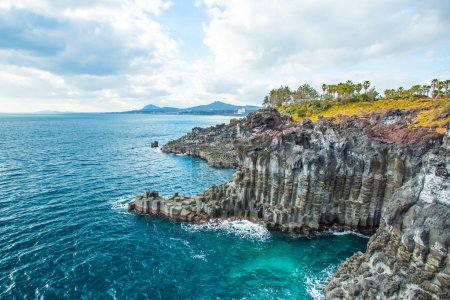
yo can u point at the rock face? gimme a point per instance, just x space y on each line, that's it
407 258
307 177
214 144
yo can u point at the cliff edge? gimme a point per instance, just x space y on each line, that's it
371 174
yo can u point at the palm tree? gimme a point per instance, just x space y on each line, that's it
446 86
349 88
366 85
434 85
420 90
441 85
358 87
332 89
415 89
340 90
426 89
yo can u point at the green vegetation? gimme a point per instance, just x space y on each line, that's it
430 102
332 93
437 89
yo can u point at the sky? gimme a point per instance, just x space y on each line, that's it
116 55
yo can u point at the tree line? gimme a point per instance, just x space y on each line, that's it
349 91
437 89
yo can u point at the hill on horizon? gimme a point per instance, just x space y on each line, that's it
213 108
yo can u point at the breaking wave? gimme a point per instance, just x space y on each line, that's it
346 232
121 204
315 283
241 228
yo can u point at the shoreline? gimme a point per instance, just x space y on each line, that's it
303 232
373 175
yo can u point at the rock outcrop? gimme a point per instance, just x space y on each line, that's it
216 144
213 144
407 258
306 177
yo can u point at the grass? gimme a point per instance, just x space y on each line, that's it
430 113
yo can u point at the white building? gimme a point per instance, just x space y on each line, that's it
241 111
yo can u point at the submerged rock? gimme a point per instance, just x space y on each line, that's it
369 174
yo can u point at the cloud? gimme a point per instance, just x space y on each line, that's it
291 42
98 39
112 55
319 34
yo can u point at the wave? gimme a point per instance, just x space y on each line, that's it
241 228
346 232
158 149
121 204
315 283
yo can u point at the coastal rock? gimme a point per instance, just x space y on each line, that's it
213 144
216 144
370 174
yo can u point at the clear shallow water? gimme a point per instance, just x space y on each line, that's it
65 231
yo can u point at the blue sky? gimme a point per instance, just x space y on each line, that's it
115 55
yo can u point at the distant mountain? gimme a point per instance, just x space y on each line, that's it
150 107
216 105
214 108
156 109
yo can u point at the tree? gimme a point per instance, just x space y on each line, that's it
446 87
305 92
372 94
324 88
278 97
441 85
358 87
434 86
388 93
426 89
366 86
414 90
435 93
401 92
266 102
420 90
332 89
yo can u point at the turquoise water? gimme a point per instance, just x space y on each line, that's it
65 231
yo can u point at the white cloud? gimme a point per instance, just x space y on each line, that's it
290 42
318 34
112 55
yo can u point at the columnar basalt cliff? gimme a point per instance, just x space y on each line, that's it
214 144
306 177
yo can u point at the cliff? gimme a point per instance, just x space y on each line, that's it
214 144
368 173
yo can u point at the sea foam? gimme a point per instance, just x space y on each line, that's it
241 228
346 232
315 283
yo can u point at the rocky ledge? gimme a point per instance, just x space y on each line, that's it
216 144
306 177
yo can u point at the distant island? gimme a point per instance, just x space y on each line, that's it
214 108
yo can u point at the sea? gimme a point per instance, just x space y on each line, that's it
65 232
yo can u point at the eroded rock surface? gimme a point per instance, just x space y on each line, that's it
307 177
213 144
407 258
216 144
